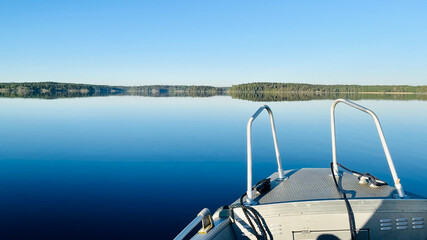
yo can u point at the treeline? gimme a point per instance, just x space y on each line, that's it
197 94
55 95
306 96
54 87
176 89
52 90
250 91
317 88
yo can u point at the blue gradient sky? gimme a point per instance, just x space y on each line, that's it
216 43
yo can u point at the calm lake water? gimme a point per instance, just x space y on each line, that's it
127 167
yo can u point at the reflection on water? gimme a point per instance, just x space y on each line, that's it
305 96
142 167
176 94
79 94
55 95
251 96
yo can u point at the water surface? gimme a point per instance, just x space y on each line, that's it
132 167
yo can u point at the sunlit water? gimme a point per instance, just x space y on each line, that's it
142 168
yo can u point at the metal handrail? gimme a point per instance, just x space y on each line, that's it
396 179
204 216
249 192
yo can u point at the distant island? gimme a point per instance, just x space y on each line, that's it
264 91
261 91
62 90
317 88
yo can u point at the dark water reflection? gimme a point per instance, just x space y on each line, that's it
279 97
142 167
251 96
79 94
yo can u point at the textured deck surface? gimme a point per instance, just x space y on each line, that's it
316 184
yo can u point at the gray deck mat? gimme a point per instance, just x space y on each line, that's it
317 184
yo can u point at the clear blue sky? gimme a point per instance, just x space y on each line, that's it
216 43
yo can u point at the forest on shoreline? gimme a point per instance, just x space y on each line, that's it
250 91
265 87
64 90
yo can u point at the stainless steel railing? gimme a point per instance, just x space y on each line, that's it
249 191
396 179
207 224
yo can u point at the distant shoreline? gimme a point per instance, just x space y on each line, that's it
249 91
246 87
309 92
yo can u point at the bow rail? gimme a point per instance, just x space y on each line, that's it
396 179
249 191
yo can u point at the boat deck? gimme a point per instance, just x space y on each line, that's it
308 205
310 184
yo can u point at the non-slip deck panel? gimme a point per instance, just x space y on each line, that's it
317 184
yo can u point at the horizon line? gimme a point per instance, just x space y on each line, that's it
211 85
